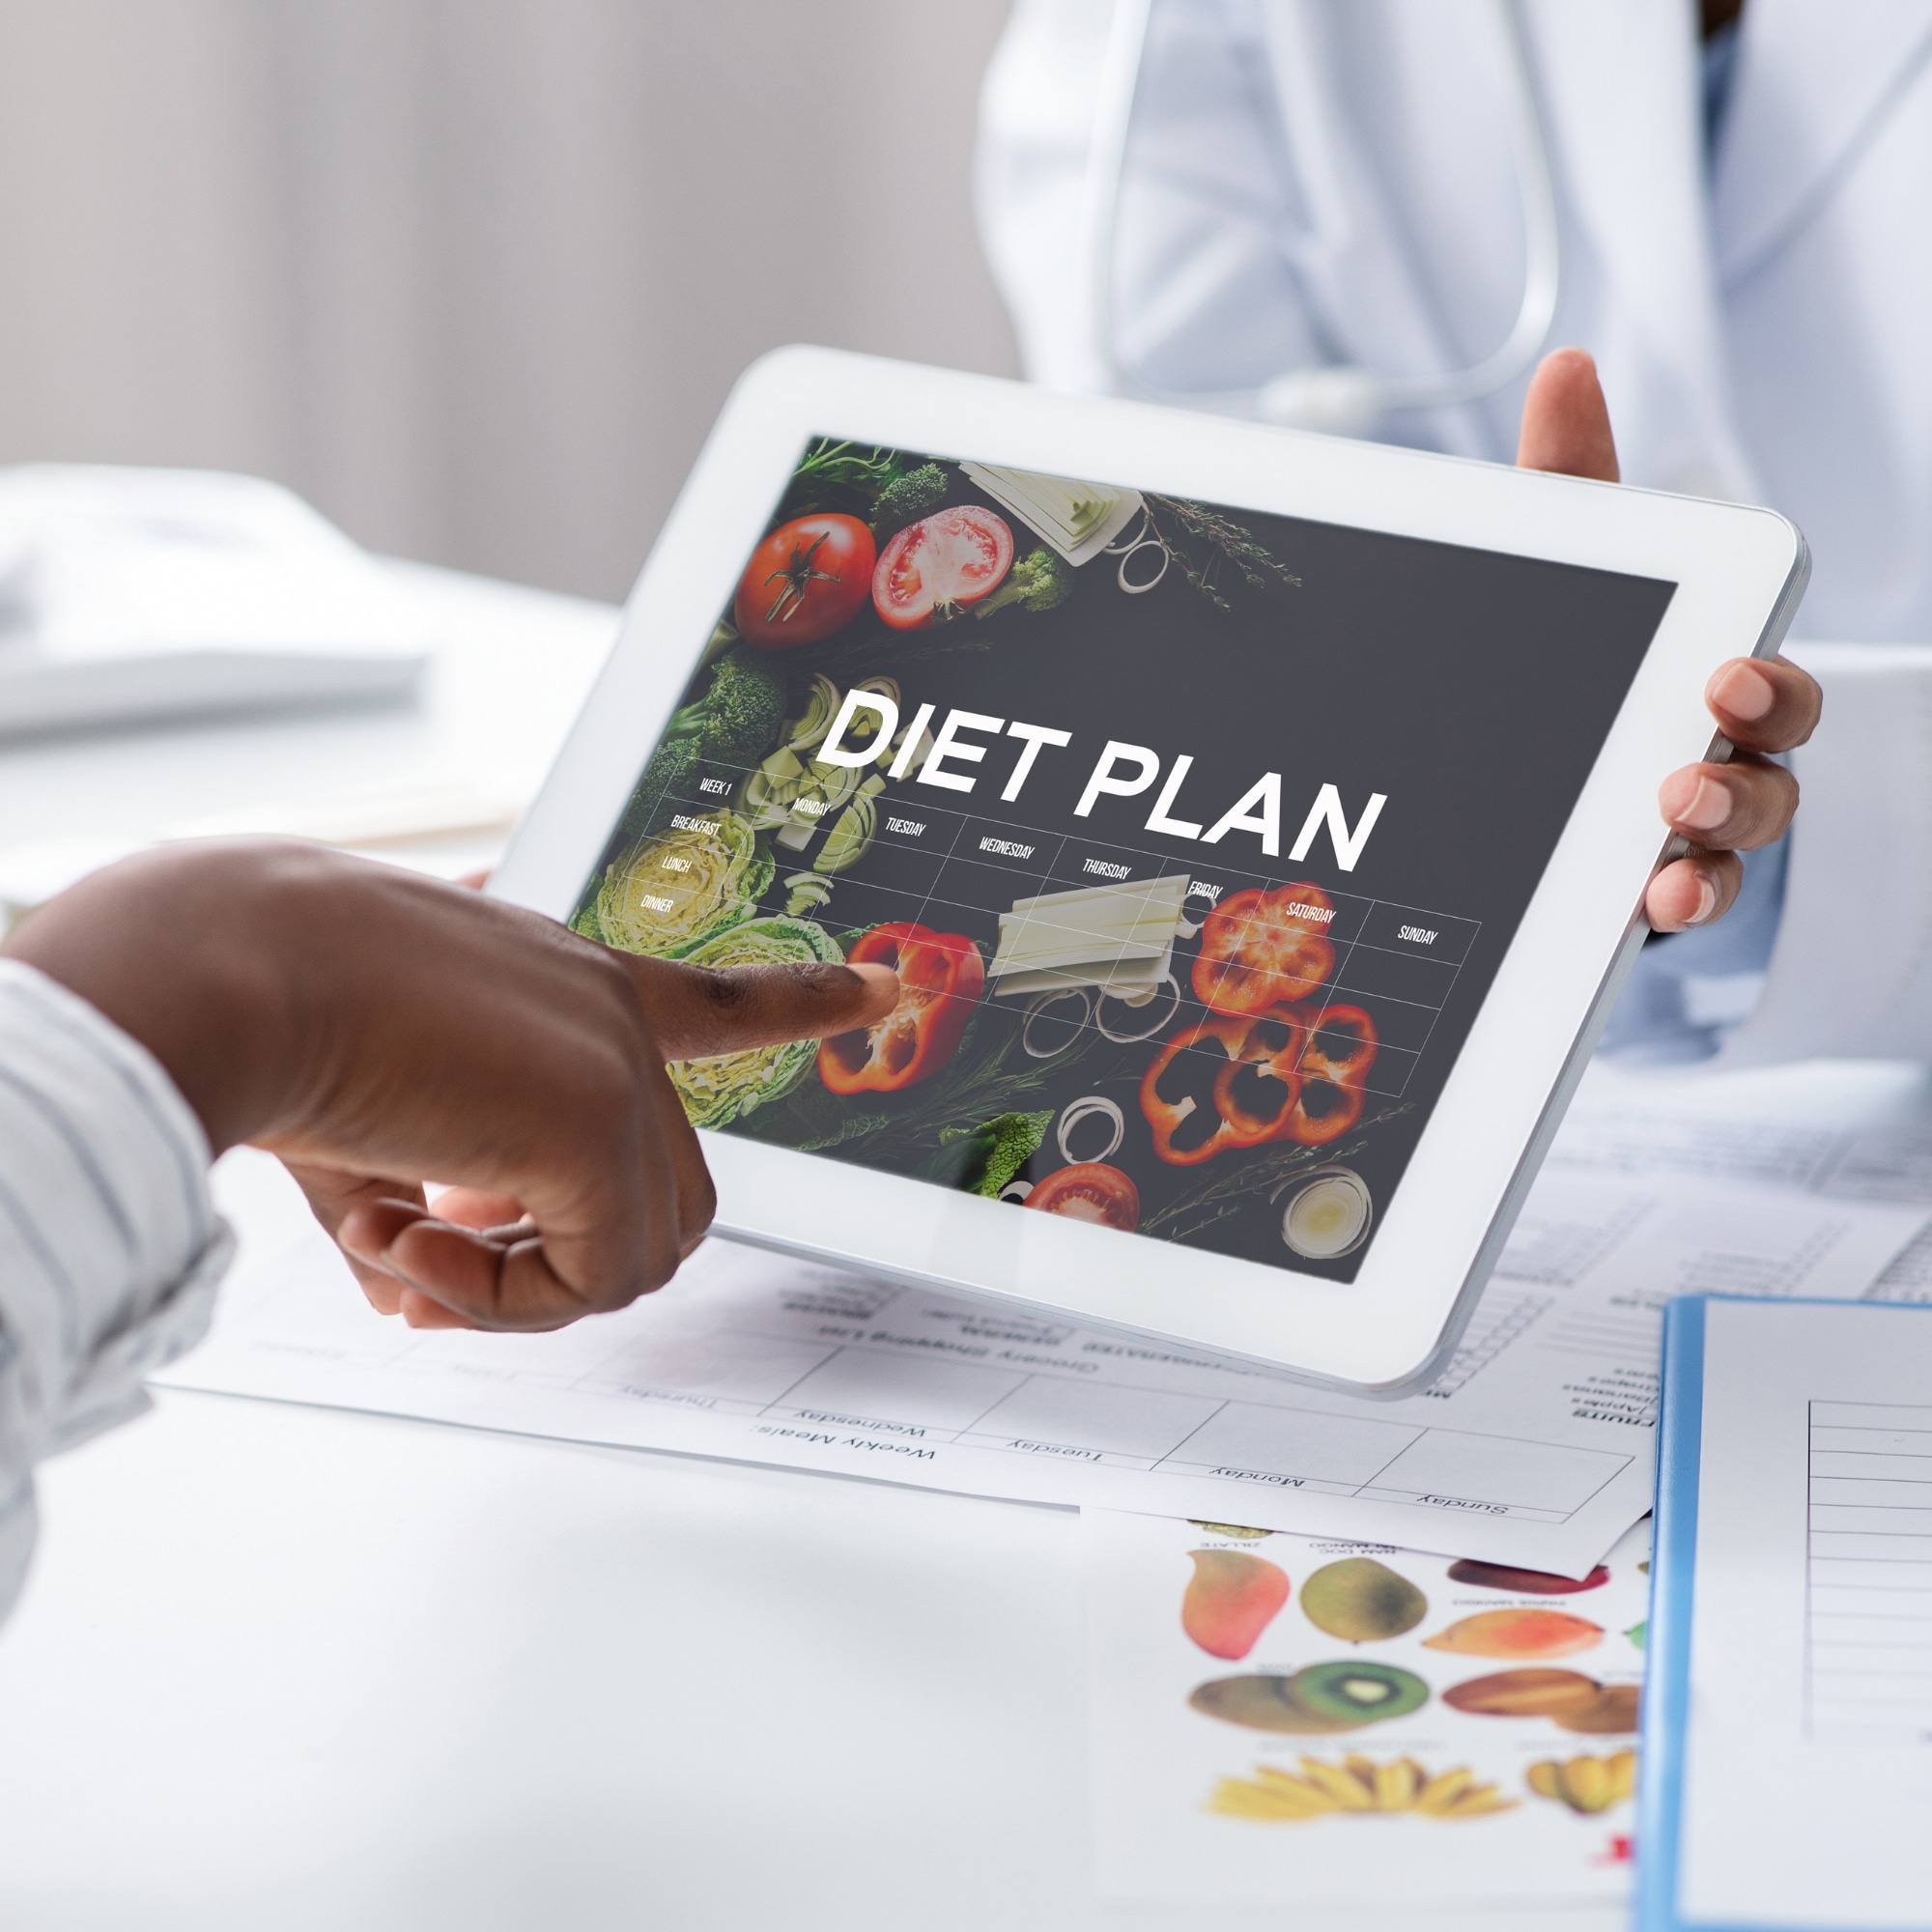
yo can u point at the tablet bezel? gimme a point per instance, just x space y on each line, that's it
1739 573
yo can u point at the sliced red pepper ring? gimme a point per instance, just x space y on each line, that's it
1342 1046
1260 949
941 978
1227 1082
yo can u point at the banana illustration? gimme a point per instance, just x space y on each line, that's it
1358 1785
1586 1784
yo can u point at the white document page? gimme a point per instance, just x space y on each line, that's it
1807 1764
1502 1777
1535 1447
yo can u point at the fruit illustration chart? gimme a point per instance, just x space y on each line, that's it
1295 1699
1195 835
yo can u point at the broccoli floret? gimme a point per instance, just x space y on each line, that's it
1040 579
1010 1140
735 723
907 497
740 715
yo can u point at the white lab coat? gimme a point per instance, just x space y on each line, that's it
1331 180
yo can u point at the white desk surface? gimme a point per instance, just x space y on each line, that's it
289 1668
281 1667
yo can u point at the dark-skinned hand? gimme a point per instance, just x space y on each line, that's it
377 1030
1761 705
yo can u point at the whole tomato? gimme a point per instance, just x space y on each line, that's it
809 577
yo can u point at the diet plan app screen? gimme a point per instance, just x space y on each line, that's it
1195 835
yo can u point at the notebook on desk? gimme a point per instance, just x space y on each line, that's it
1787 1743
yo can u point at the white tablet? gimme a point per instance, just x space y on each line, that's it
1258 823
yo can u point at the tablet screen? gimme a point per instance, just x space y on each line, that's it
1195 835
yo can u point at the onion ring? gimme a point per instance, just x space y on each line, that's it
1145 1032
1045 1003
1076 1111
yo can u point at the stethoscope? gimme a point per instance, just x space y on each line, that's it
1343 398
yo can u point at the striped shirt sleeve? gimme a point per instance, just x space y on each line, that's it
110 1248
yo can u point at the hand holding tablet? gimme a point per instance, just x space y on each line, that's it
1259 834
1762 707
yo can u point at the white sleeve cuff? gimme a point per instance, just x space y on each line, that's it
110 1248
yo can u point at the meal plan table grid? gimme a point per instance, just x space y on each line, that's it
1869 1609
949 868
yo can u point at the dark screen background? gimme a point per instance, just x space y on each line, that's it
1472 688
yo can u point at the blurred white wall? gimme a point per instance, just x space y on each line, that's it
471 275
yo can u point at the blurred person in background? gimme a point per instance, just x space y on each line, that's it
1372 215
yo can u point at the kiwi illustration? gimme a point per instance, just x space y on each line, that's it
1359 1600
1357 1693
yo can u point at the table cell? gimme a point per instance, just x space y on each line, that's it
1869 1519
1873 1441
1870 1466
1450 1467
1303 901
1870 1415
911 825
739 1373
856 1388
1422 935
1398 1024
1137 1423
1367 970
1902 1547
1081 864
1293 1445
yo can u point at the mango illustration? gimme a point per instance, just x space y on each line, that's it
1525 1693
1359 1600
1231 1599
1612 1713
1525 1582
1512 1633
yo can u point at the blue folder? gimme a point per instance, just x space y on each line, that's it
1667 1695
1673 1555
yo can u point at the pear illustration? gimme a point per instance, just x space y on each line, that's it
1359 1600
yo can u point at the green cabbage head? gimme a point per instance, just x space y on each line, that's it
722 1087
667 894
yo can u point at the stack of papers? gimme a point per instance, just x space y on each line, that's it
1502 1777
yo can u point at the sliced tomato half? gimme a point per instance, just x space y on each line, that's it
937 566
1090 1190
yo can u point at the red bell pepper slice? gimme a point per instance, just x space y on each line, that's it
941 978
1251 1098
1342 1046
1259 950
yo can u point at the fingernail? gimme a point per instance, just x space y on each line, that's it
1706 807
1707 902
1745 692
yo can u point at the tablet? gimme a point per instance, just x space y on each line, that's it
1258 821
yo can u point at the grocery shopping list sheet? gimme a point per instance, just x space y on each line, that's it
1534 1447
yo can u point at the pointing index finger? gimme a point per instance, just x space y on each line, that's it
695 1010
